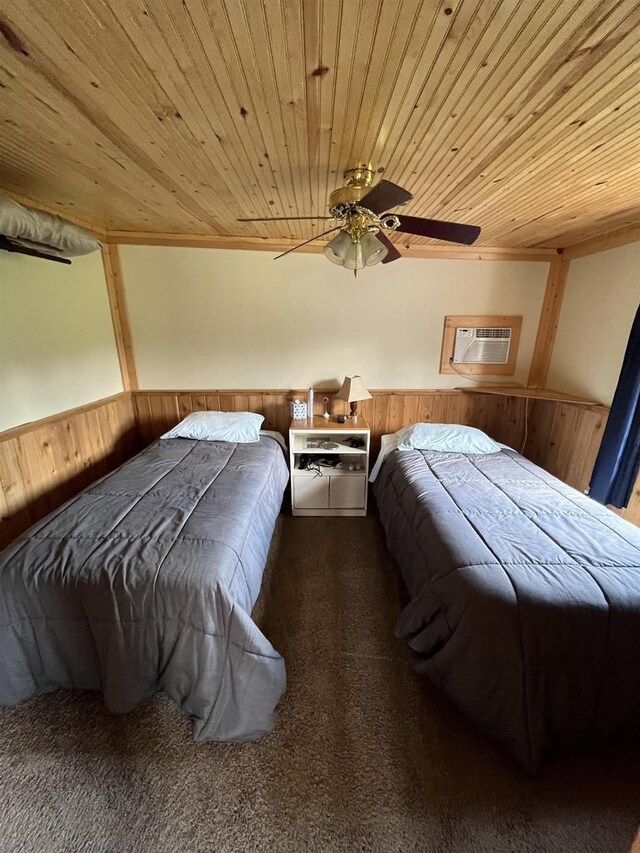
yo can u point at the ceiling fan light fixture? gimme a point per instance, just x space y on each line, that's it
361 208
373 251
352 254
336 249
354 258
344 251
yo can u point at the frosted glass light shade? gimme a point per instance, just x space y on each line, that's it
355 254
353 259
373 250
336 249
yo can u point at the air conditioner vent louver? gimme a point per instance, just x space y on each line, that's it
482 346
493 333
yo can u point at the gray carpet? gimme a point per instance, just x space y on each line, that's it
365 756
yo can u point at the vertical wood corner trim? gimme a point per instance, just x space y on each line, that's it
548 325
119 316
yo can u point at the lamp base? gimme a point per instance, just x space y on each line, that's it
353 414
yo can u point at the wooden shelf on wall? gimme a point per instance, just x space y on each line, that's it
530 393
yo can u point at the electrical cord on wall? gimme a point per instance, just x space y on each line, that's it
526 425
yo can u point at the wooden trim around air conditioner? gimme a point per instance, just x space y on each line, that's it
479 321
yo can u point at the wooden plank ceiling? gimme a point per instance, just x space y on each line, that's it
181 115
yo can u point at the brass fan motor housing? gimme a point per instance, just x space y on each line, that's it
359 181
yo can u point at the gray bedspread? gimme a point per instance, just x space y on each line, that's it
524 596
145 582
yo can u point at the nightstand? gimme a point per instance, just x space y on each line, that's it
338 490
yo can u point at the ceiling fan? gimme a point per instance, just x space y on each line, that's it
360 208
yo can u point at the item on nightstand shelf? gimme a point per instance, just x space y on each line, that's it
353 390
297 410
325 403
349 464
310 462
322 443
355 441
310 403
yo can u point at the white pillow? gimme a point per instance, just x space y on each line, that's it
241 427
446 438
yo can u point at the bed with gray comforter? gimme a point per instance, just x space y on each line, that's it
524 597
145 582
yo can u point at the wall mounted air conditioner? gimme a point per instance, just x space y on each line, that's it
482 346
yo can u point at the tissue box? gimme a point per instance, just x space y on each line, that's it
297 410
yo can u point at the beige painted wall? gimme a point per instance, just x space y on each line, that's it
600 302
212 318
57 348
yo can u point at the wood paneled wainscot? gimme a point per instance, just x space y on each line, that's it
386 412
564 439
44 463
47 462
561 437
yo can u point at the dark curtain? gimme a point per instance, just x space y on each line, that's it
618 460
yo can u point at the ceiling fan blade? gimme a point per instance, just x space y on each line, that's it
438 229
284 218
383 196
393 253
310 240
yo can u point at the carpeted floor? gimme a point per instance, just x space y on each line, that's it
365 756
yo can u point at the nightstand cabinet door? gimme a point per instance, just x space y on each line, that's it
311 492
348 492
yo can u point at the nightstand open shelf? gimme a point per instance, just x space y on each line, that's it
301 445
334 490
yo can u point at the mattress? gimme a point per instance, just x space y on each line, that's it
524 597
145 582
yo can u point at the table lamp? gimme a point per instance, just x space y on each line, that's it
352 390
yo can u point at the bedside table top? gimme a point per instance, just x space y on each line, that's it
329 425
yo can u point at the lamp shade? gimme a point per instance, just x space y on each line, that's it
352 390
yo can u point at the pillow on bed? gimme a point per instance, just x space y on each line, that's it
241 427
446 438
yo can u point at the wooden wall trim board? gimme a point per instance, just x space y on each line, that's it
208 241
621 237
47 462
50 420
475 253
548 324
532 394
293 392
119 316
